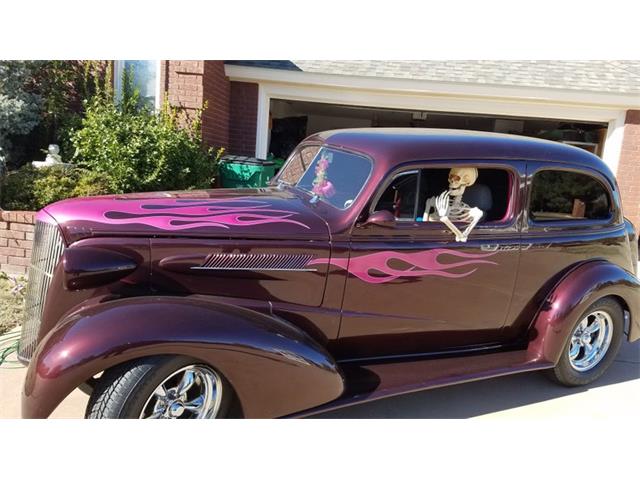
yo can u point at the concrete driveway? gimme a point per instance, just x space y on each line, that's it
523 396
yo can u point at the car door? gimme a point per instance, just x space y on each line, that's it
412 289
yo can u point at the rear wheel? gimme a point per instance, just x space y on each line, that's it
160 387
592 345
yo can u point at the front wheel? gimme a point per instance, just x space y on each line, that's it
160 387
592 345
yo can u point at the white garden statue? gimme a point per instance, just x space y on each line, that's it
448 207
53 157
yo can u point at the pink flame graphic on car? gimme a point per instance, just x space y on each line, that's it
375 268
170 214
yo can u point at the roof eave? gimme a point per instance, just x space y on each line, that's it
419 86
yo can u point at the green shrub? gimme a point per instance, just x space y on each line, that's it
53 184
17 189
90 183
138 149
58 183
30 188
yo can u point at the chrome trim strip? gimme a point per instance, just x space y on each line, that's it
283 262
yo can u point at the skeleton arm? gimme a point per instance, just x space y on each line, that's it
442 207
428 206
476 214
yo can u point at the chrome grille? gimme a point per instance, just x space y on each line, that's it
47 248
256 261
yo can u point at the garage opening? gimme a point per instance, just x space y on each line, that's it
291 121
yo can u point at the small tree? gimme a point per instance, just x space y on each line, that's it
19 107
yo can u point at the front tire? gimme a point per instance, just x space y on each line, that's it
592 345
160 387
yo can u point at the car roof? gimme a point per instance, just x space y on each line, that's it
399 145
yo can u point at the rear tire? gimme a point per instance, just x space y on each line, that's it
160 387
592 345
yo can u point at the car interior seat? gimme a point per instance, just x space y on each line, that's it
479 195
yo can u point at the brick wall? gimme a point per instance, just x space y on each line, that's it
628 174
16 241
231 115
190 84
216 94
183 80
243 118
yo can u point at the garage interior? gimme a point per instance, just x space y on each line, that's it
291 121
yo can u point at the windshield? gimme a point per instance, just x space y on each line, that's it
334 176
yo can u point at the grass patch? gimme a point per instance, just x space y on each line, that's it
12 291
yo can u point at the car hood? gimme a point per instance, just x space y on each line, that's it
225 213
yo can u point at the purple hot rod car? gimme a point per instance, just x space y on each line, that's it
380 261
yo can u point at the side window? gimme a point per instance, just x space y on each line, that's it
400 196
487 189
561 195
410 194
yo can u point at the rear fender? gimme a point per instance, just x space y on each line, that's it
569 299
274 367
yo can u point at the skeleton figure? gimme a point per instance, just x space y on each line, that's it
449 206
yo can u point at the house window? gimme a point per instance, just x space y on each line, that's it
146 78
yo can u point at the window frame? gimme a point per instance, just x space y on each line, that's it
118 69
296 152
398 175
509 224
356 198
547 225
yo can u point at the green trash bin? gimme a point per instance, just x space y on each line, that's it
245 172
277 160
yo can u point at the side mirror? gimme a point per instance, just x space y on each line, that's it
383 218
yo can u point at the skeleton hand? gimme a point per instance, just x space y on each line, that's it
475 214
442 204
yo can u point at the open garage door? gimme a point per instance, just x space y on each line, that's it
291 121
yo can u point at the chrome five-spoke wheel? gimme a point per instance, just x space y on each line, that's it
592 345
194 391
590 340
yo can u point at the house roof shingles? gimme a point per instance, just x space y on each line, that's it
612 76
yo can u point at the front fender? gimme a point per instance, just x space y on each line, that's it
569 299
274 367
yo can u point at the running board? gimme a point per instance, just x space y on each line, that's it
373 381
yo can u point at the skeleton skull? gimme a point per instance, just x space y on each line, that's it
461 178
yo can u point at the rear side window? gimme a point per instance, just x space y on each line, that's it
560 195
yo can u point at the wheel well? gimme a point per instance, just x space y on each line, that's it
625 308
236 410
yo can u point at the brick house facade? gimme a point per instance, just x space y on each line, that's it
229 119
